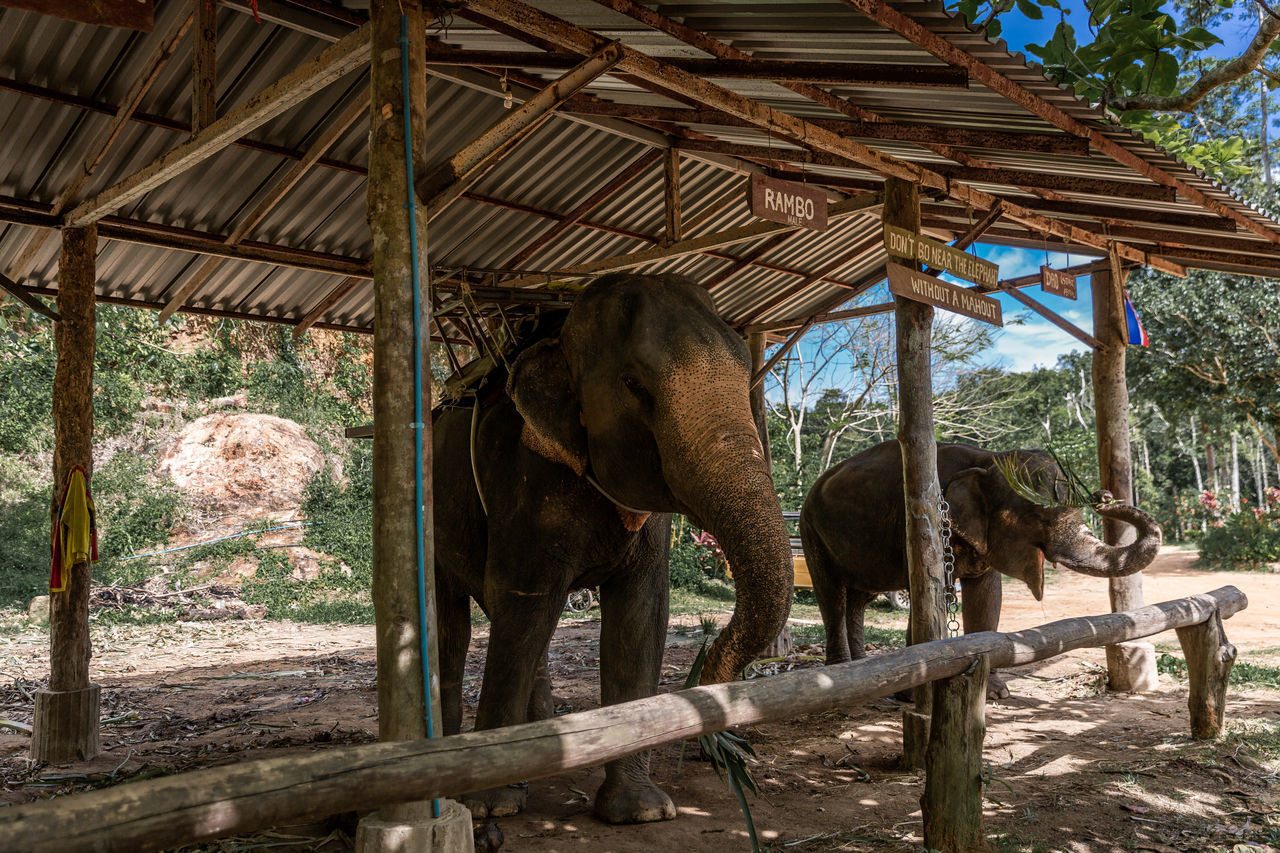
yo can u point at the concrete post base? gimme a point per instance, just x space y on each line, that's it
65 726
1132 667
410 828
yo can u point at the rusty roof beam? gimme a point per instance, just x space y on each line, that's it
1248 264
838 73
538 25
1048 143
1105 213
793 291
309 77
919 35
18 292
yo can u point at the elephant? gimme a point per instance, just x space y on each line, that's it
853 531
566 476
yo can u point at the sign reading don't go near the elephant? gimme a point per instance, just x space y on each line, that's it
910 284
917 247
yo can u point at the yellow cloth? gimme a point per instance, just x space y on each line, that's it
75 539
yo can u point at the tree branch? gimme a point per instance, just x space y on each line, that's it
1246 63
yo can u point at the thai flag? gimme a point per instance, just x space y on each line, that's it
1137 334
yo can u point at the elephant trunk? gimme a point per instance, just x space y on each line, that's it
717 470
1085 553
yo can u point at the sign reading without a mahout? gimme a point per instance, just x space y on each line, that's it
917 247
910 284
789 203
1057 282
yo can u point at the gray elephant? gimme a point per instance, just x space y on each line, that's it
637 407
854 535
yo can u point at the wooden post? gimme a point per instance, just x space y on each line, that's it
671 196
65 727
203 65
952 800
919 469
1131 667
1209 661
402 711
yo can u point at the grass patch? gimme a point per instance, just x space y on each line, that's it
884 638
1243 674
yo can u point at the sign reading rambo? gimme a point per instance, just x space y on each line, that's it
789 203
910 284
917 247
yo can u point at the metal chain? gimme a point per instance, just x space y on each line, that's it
949 571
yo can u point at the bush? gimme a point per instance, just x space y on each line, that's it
695 558
342 513
1248 539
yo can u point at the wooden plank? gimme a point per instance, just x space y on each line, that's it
310 77
204 64
902 243
155 814
322 307
674 230
1057 282
358 109
840 73
789 202
448 181
1049 143
19 293
127 14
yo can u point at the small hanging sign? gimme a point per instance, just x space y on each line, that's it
910 284
1057 282
930 252
788 202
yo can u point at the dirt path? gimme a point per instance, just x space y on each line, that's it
1071 767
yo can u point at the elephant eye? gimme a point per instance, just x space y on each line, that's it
632 384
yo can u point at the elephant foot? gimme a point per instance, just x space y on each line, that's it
496 802
996 688
633 801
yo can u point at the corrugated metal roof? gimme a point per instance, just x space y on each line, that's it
60 81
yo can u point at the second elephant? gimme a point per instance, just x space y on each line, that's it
854 533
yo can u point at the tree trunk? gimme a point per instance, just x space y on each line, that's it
1211 463
1235 471
1195 458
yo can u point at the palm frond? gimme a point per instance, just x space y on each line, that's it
730 755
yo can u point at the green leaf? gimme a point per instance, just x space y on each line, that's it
994 29
1030 9
1198 38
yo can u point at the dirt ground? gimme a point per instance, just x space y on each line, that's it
1072 767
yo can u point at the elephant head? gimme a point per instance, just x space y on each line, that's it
647 392
1016 535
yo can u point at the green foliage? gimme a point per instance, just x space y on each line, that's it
692 564
342 513
1248 539
24 556
1243 673
26 380
136 510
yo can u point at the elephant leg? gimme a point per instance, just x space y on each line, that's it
633 632
523 618
540 704
855 622
453 619
982 597
830 593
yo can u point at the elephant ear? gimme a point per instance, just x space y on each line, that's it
969 507
543 394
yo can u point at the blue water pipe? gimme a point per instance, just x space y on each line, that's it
411 204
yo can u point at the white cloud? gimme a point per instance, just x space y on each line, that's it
1027 346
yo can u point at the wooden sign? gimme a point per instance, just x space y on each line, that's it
789 202
930 252
1057 282
910 284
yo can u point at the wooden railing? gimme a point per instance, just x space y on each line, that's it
252 795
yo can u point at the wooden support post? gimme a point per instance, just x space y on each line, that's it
920 471
1209 661
402 710
952 800
65 727
782 644
671 196
1131 667
204 65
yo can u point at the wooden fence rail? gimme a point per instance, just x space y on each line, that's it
252 795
